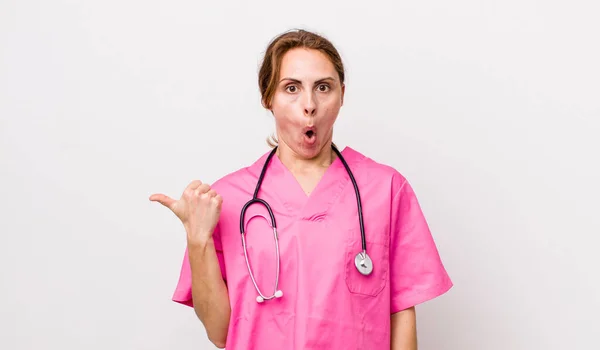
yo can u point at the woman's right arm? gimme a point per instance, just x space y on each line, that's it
209 292
199 209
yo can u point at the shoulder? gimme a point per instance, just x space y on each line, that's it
240 179
374 171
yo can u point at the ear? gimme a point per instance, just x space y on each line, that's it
268 108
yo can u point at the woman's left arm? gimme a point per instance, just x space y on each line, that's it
404 330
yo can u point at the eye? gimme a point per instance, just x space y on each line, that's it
323 87
291 88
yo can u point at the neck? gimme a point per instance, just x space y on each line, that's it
296 163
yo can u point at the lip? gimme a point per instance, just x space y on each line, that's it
309 140
309 128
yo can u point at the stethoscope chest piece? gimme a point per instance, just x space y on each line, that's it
363 263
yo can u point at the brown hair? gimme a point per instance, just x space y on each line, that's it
268 75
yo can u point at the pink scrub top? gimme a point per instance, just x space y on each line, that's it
326 303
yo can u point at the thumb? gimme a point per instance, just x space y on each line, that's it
164 200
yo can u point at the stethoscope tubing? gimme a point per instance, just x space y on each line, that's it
277 293
358 200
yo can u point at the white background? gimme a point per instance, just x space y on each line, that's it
489 108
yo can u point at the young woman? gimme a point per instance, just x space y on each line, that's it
335 251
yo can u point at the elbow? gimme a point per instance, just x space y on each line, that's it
219 343
216 324
218 338
217 335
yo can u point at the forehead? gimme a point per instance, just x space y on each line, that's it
306 63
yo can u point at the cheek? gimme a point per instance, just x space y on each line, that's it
331 101
285 109
331 109
283 118
282 100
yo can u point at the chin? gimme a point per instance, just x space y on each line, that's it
310 150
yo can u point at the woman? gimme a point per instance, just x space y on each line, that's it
328 293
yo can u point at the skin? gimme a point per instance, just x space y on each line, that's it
310 94
404 330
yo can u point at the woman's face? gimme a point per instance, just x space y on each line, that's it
307 101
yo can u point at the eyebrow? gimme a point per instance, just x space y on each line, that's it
299 82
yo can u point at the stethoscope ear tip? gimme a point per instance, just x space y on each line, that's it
260 299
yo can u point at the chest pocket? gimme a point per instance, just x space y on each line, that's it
378 251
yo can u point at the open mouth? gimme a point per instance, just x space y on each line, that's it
310 136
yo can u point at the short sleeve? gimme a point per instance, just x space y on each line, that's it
417 273
183 290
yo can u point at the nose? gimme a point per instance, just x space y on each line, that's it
310 105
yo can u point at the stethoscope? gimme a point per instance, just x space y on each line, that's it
362 261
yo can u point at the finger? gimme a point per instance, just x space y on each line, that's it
202 189
193 185
190 190
211 193
217 200
162 199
